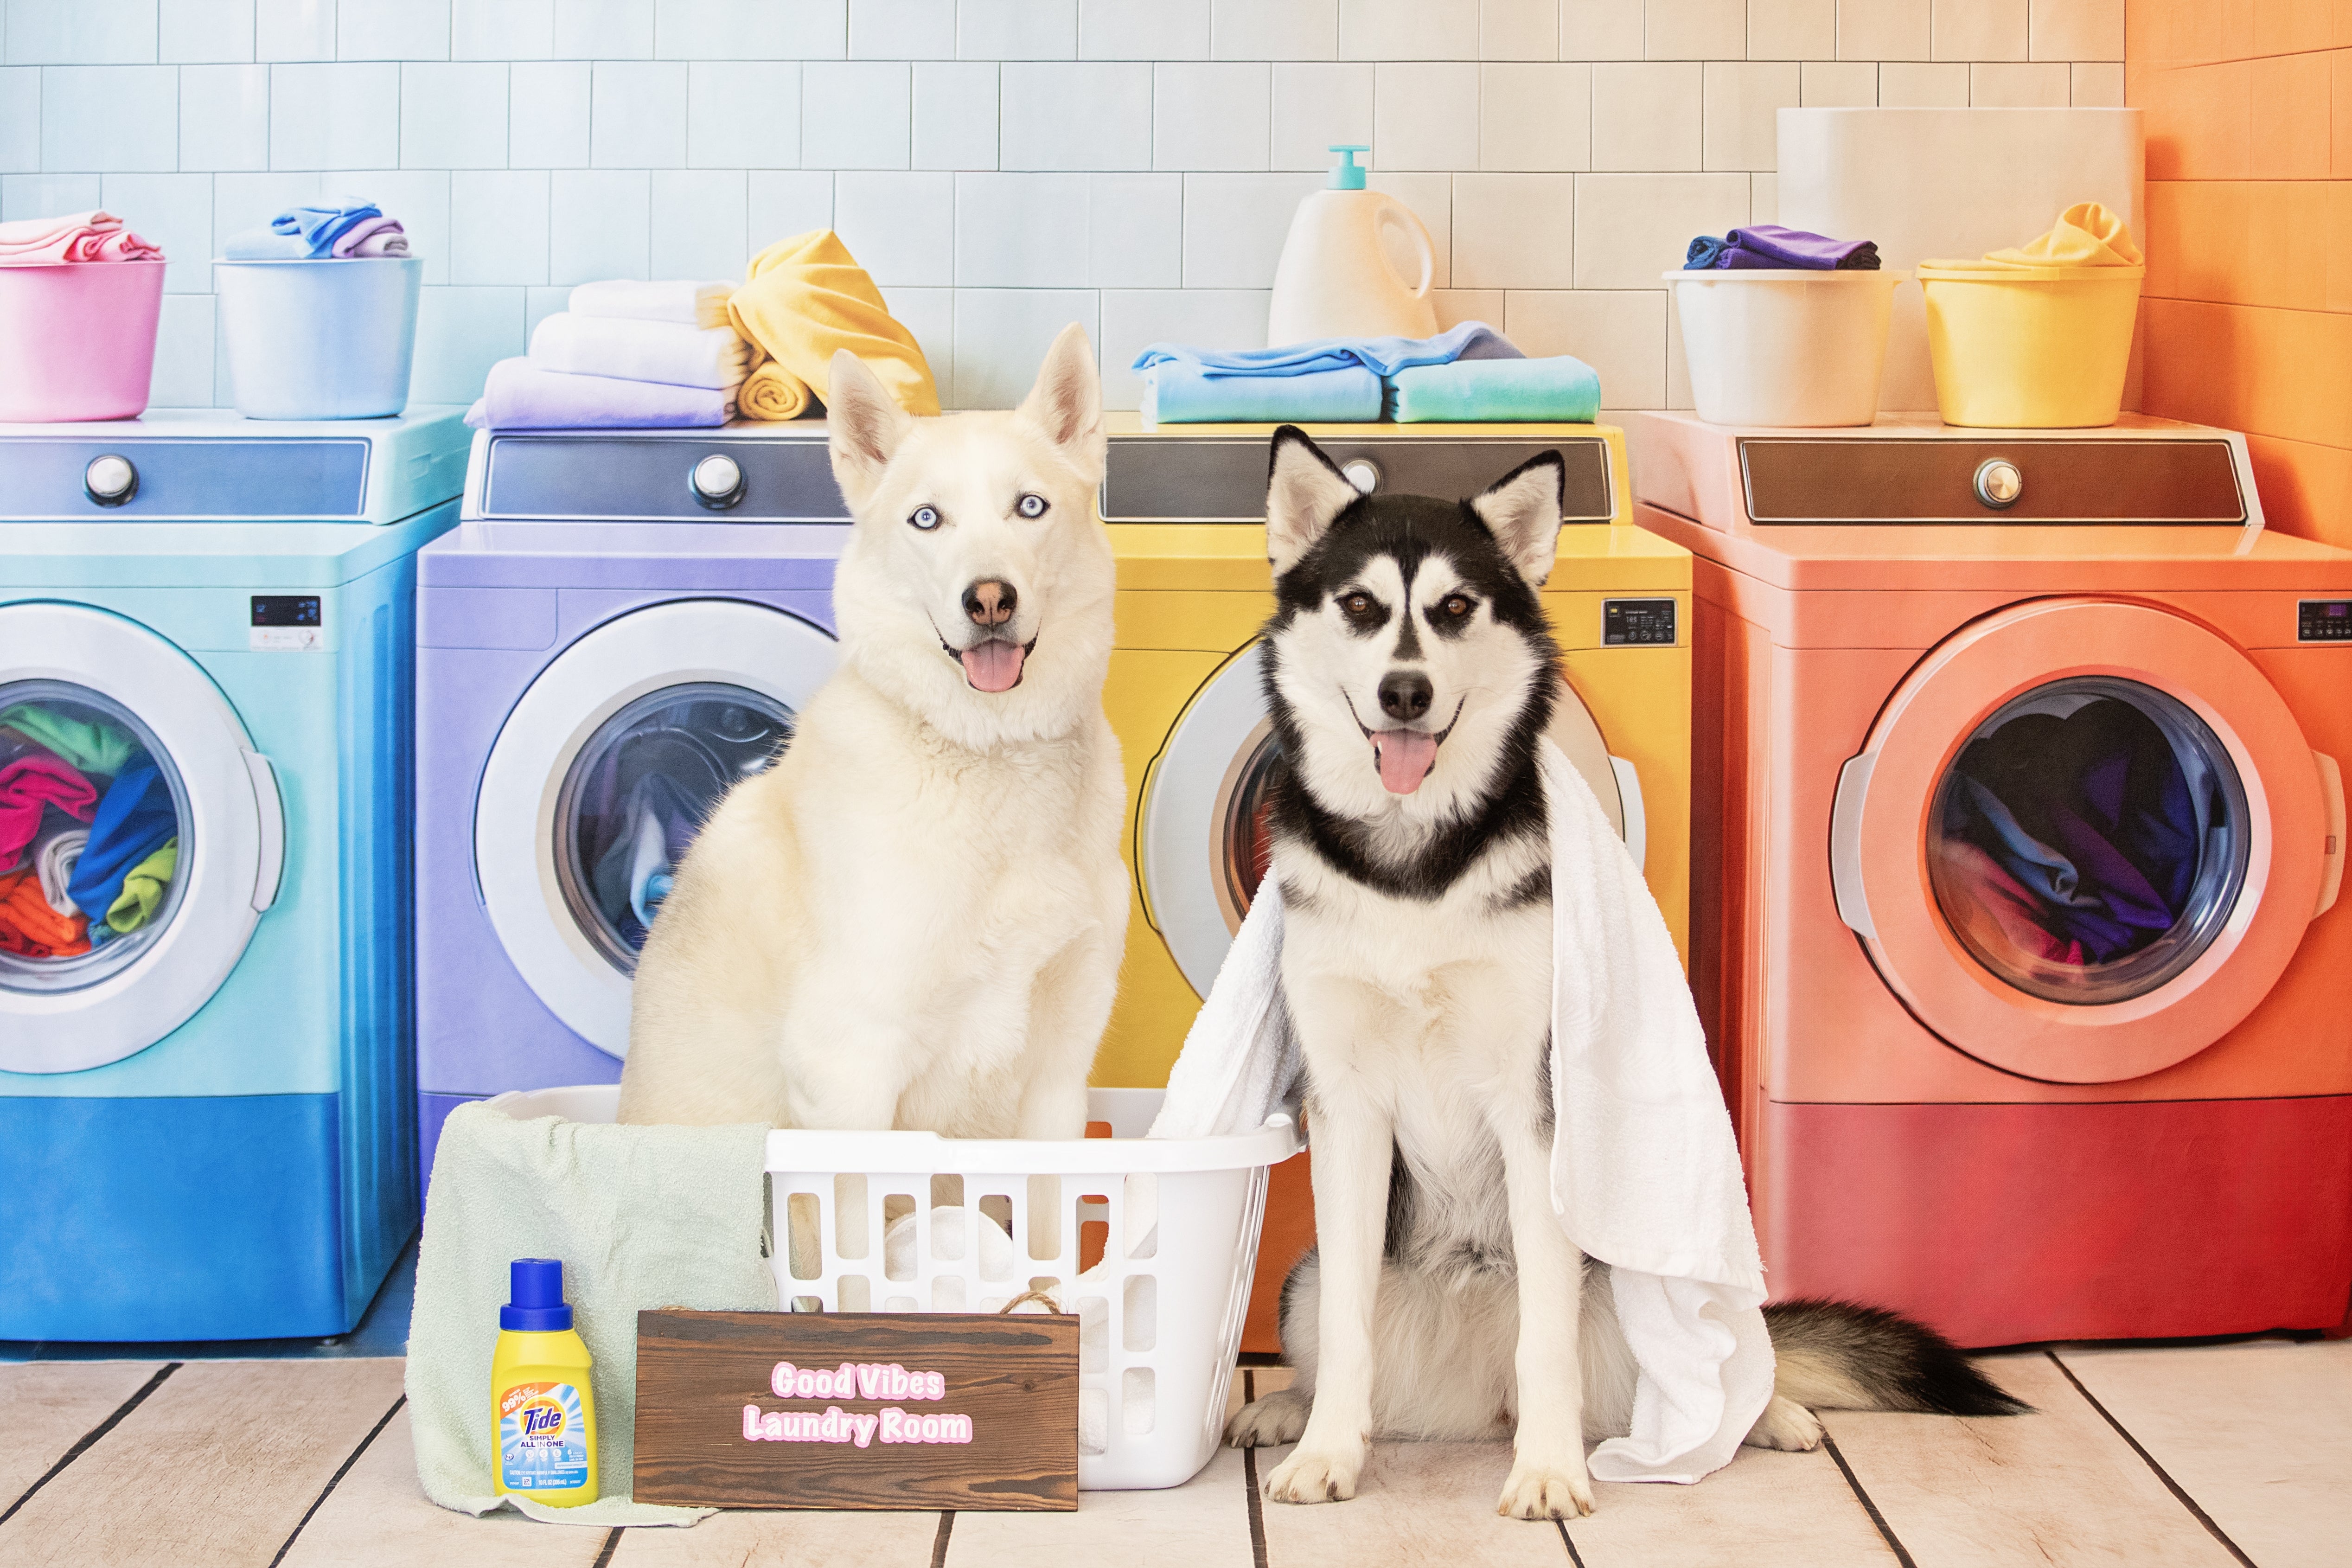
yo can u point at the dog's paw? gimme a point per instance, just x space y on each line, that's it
1539 1489
1785 1423
1279 1417
1312 1475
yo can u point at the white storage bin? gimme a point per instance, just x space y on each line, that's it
1784 346
1169 1229
320 340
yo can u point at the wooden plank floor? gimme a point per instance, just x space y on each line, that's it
2203 1457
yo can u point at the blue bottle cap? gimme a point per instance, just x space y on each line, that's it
1345 175
537 1286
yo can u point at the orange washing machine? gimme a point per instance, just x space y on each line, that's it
1185 506
2018 839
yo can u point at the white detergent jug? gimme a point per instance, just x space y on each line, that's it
1334 280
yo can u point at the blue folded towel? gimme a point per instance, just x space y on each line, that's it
1558 389
1178 394
305 233
1382 356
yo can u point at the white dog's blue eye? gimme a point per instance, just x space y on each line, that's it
924 518
1031 506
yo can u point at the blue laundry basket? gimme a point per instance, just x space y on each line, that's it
320 340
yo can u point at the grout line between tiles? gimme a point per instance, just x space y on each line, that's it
2170 1484
1256 1503
611 1544
92 1436
1885 1531
940 1541
335 1481
1568 1541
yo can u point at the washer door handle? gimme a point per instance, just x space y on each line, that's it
1845 845
2331 801
1629 806
269 806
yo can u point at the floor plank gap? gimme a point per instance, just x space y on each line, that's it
1256 1508
1570 1541
611 1544
1885 1531
337 1479
940 1541
91 1436
2148 1459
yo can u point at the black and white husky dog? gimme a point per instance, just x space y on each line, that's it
1409 672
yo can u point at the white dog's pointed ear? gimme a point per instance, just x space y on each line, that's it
1304 494
862 426
1522 510
1067 401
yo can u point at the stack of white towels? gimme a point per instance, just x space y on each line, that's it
626 355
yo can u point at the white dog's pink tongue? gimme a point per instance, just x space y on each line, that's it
1404 757
993 665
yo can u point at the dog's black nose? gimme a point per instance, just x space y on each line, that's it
990 602
1404 694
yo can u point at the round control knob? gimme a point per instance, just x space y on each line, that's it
1998 484
110 481
1362 473
716 481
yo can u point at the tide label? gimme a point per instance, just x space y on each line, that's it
542 1439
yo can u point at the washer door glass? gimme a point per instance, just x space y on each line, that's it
94 821
638 791
2089 841
1244 839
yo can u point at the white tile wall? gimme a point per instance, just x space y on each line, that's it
1002 166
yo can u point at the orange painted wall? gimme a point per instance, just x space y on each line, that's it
2247 320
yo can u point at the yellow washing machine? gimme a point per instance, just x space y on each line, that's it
1185 507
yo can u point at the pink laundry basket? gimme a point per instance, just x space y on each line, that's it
77 339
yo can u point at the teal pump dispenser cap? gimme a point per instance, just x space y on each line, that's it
1345 175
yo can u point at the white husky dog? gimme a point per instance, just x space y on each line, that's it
914 919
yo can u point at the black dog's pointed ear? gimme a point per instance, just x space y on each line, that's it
1304 494
1522 510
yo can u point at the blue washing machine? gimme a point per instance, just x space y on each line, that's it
206 1049
624 625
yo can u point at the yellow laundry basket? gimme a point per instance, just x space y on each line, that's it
2029 347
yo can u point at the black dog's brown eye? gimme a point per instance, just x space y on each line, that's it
1455 605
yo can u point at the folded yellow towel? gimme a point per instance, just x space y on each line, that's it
803 298
2086 235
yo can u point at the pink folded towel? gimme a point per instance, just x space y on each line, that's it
372 236
97 235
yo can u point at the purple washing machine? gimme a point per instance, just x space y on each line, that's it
623 623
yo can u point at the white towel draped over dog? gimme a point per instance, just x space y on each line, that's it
1644 1174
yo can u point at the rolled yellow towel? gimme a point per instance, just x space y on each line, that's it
804 298
771 392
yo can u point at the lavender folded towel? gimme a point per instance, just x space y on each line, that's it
372 236
1768 244
519 395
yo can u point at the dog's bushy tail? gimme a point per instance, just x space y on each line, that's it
1837 1355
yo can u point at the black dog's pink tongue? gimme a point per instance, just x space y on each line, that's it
993 665
1404 757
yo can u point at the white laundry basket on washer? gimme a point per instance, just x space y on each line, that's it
1166 1230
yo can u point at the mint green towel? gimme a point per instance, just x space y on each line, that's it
1556 390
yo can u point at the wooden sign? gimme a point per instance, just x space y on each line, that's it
857 1410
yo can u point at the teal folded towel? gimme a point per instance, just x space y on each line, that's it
1176 393
1561 390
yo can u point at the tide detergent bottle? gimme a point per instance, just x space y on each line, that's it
543 1412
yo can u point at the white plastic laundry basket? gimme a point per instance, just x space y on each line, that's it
1784 346
1151 1242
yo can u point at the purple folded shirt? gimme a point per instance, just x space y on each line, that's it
519 395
